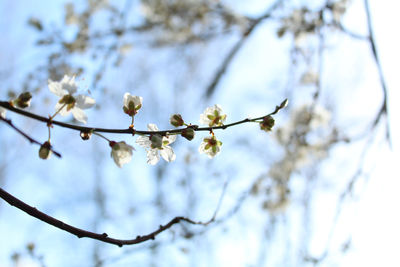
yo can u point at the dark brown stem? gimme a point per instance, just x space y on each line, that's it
128 130
384 108
30 139
234 50
13 201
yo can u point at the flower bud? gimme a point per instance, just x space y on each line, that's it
156 141
45 151
85 135
176 120
188 133
267 123
23 100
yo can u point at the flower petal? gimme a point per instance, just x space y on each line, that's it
170 139
152 127
152 156
79 114
168 154
56 88
84 102
3 112
143 141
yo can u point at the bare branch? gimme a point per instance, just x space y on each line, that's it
228 59
383 110
49 121
13 201
30 139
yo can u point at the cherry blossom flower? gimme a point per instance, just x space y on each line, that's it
65 89
3 112
212 116
155 144
210 146
121 152
132 104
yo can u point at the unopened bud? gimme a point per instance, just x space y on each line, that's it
176 120
267 123
23 100
45 151
188 133
85 135
284 103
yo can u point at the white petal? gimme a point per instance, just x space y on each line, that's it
3 112
123 154
203 119
202 147
137 100
127 97
168 154
68 84
152 127
143 141
55 88
152 156
170 139
79 114
84 102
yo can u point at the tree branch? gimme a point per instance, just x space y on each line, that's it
30 139
13 201
384 108
228 59
130 130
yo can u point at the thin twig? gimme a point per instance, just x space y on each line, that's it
384 108
30 139
228 59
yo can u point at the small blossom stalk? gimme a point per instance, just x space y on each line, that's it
157 145
65 89
213 116
210 146
121 152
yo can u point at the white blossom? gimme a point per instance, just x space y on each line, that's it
212 116
65 89
132 104
153 149
121 152
210 146
3 112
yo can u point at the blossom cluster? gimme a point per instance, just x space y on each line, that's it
156 143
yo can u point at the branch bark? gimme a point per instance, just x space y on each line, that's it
80 233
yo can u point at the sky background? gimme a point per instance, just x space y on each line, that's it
370 219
